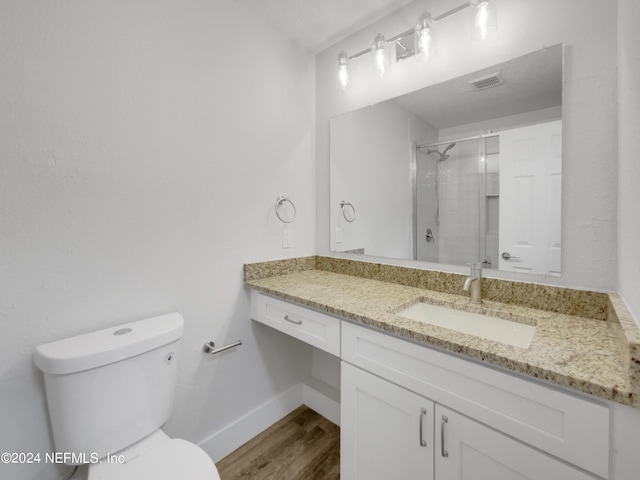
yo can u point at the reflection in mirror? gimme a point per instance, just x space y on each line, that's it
465 171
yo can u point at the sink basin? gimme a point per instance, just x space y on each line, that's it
491 328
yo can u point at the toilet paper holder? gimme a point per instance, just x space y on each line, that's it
210 347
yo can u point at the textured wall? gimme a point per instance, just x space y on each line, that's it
589 110
143 145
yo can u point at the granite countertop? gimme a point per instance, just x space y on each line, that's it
592 355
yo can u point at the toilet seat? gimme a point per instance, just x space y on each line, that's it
166 460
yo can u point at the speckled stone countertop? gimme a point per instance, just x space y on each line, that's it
597 352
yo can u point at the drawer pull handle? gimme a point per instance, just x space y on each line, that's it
423 413
297 322
443 452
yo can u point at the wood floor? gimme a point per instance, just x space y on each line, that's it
302 446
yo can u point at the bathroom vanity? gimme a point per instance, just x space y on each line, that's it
418 400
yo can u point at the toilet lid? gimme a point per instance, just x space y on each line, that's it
170 460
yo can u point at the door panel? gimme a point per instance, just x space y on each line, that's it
530 198
386 431
468 450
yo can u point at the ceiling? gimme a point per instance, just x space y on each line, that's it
317 24
531 82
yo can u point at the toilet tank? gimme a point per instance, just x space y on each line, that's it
110 388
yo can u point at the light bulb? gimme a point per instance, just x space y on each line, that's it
379 55
484 19
343 70
425 38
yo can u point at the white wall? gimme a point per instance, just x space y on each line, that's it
371 151
143 145
629 154
588 30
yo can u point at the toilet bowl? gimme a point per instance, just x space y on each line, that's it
157 457
111 391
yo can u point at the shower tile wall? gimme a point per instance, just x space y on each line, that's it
459 210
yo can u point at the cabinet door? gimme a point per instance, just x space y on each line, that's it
386 431
468 450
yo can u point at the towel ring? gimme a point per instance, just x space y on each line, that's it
279 202
345 206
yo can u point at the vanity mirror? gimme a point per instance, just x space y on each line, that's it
464 171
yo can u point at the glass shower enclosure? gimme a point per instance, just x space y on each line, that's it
456 201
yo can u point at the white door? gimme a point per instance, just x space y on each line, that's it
468 450
530 198
386 432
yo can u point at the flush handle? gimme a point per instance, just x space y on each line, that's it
508 256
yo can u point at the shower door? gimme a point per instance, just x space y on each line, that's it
451 202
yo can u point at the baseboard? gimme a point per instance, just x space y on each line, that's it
322 398
227 439
314 393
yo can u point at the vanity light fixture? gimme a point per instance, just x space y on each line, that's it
425 38
484 18
380 55
484 24
343 70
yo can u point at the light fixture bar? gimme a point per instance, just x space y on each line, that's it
446 14
344 59
399 37
402 35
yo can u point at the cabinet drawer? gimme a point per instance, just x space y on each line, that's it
315 328
569 427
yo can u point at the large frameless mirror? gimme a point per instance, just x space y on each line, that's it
460 172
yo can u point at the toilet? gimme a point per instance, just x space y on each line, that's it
108 394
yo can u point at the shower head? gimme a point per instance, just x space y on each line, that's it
443 156
449 147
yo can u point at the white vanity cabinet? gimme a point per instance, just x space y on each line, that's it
496 423
411 411
390 432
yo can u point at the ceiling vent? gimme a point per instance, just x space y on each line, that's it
488 81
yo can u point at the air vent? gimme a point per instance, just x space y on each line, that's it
487 81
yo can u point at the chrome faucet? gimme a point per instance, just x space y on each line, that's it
474 282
